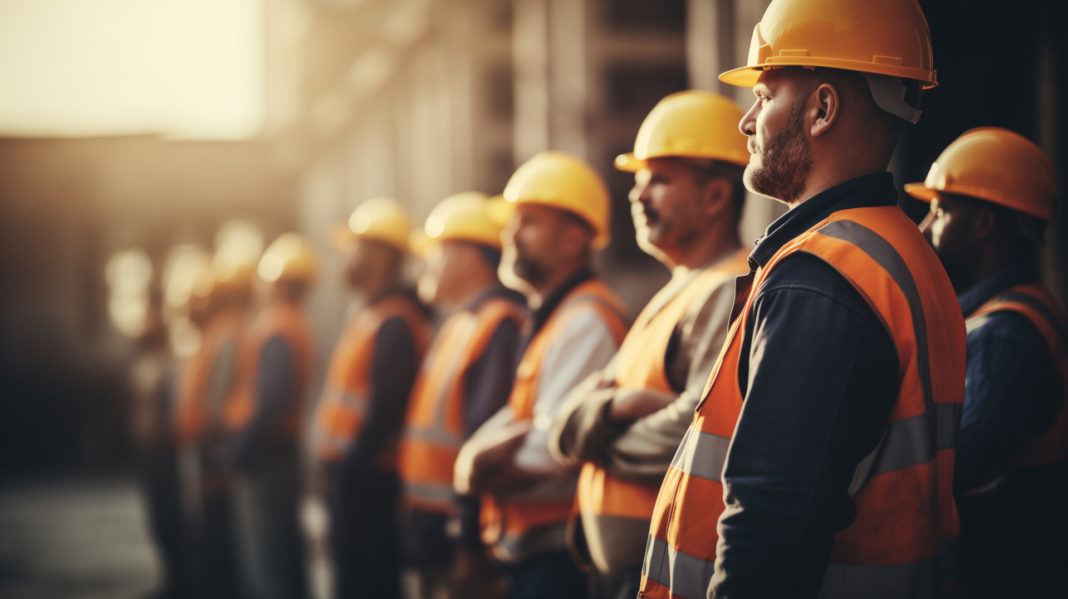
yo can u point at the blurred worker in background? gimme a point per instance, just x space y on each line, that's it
265 417
824 445
625 421
561 216
360 415
992 193
222 300
153 389
466 378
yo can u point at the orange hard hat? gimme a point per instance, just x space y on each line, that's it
879 37
995 165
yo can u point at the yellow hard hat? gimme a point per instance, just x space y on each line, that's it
288 258
380 219
996 165
466 216
881 37
561 181
231 274
691 124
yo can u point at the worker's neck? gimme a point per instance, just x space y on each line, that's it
536 294
831 167
707 249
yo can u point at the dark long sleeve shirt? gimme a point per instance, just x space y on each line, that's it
818 372
393 372
273 392
1012 388
487 384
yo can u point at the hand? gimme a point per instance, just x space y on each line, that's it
629 405
486 454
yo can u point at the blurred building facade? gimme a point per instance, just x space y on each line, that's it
418 99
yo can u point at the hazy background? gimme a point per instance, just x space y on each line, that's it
142 124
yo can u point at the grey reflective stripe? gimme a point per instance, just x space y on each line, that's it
339 444
686 575
920 579
439 493
437 436
615 542
848 581
880 250
701 454
515 548
352 400
908 443
1038 306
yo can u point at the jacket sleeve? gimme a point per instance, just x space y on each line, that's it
393 373
1008 362
273 391
821 381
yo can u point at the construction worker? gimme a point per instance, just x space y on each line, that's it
152 388
820 460
626 420
222 301
991 193
360 415
265 418
466 377
561 216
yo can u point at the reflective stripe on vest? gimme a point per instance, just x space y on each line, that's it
1034 303
346 395
615 512
903 489
283 319
527 523
434 431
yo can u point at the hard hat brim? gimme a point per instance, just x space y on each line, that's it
748 75
628 163
926 194
921 192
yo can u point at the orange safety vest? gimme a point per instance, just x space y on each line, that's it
347 393
518 526
276 318
902 542
615 512
1036 304
434 431
192 416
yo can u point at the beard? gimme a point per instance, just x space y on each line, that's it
784 162
515 265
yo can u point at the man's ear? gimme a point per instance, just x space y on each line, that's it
575 238
715 196
984 221
825 104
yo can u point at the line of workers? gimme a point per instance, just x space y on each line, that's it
854 408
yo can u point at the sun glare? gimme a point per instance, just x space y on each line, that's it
185 68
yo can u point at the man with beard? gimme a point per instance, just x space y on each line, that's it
561 215
360 415
625 421
819 462
265 415
992 193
